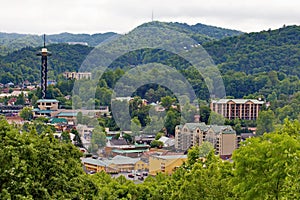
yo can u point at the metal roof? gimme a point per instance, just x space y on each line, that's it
47 101
171 157
94 162
67 114
121 160
58 120
192 126
238 101
129 151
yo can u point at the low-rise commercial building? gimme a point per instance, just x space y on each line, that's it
115 164
165 164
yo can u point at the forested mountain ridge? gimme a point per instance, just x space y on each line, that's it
13 41
253 63
263 51
200 32
212 32
24 65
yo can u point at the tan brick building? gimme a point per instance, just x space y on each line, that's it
223 138
246 109
165 164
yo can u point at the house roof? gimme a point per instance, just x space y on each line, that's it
129 151
44 111
118 142
203 127
47 101
222 129
94 162
67 114
58 120
238 101
122 160
171 157
192 126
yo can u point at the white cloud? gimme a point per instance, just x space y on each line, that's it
91 16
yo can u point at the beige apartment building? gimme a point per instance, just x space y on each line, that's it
78 75
223 138
246 109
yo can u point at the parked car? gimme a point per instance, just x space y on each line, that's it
130 176
145 173
138 174
141 178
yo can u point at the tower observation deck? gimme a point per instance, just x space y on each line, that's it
44 53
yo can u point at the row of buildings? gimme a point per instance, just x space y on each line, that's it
49 108
119 164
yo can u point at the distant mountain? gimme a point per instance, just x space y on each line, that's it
13 41
23 64
200 32
272 50
251 53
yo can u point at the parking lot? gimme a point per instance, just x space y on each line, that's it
137 177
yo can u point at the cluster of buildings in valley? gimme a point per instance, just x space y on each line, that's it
223 138
119 156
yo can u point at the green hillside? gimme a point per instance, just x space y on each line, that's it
200 32
265 51
25 65
256 63
13 41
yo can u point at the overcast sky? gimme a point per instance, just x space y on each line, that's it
121 16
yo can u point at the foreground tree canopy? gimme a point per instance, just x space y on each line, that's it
39 166
36 166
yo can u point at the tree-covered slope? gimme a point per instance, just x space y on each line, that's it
13 41
199 32
24 65
265 51
210 31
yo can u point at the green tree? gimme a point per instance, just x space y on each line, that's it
135 126
156 144
26 113
204 114
36 166
79 118
216 119
65 137
266 166
20 99
172 119
167 102
98 138
197 152
265 122
77 140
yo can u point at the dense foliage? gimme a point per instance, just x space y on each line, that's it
24 65
255 65
10 42
41 167
34 166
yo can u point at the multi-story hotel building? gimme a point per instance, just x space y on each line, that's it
246 109
223 138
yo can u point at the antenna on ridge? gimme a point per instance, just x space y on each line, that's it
152 16
44 40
